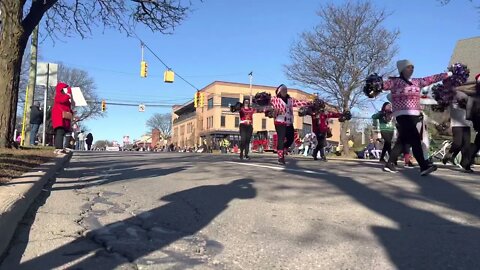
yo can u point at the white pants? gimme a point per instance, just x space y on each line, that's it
305 152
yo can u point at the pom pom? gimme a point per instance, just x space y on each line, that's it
262 99
373 85
460 75
237 107
347 115
270 112
443 95
304 111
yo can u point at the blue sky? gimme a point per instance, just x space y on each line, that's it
225 40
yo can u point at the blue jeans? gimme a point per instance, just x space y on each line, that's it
33 132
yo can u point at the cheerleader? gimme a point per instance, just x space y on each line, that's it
283 105
384 117
246 128
321 129
407 110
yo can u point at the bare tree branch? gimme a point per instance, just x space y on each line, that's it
162 122
347 45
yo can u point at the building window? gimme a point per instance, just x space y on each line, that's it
210 122
264 123
237 121
222 121
227 101
210 103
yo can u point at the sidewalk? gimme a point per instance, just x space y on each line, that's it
17 195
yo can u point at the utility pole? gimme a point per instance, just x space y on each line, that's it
29 95
250 75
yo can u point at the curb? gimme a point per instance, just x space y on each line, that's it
17 196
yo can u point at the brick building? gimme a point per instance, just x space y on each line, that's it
212 122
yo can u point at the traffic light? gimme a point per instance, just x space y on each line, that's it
104 106
169 76
143 69
195 100
201 100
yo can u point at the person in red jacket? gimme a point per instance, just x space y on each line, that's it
283 105
320 128
61 114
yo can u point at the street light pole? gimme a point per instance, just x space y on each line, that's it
251 90
45 106
29 96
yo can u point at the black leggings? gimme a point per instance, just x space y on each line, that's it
387 137
245 137
321 139
471 152
59 135
475 148
283 132
408 134
461 141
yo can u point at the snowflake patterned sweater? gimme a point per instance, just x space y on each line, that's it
406 93
284 110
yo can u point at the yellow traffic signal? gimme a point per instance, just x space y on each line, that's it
168 76
104 106
195 100
201 100
143 69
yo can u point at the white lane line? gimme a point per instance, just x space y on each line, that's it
276 168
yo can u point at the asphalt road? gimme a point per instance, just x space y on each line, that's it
131 210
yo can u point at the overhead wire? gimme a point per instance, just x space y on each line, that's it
143 43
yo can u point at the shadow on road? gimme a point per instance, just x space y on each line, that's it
423 240
185 213
129 174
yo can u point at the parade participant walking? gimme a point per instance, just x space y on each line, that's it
385 120
283 105
62 114
407 111
460 129
321 129
473 114
246 128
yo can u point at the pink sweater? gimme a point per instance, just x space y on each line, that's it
284 111
405 96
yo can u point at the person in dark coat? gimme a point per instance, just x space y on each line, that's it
473 114
89 141
36 119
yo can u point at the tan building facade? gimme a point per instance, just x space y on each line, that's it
193 126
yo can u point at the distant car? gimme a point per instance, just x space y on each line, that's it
112 148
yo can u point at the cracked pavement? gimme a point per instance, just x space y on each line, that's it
126 210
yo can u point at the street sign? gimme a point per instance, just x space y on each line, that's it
78 98
141 108
47 72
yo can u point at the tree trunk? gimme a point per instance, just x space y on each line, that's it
12 47
344 138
